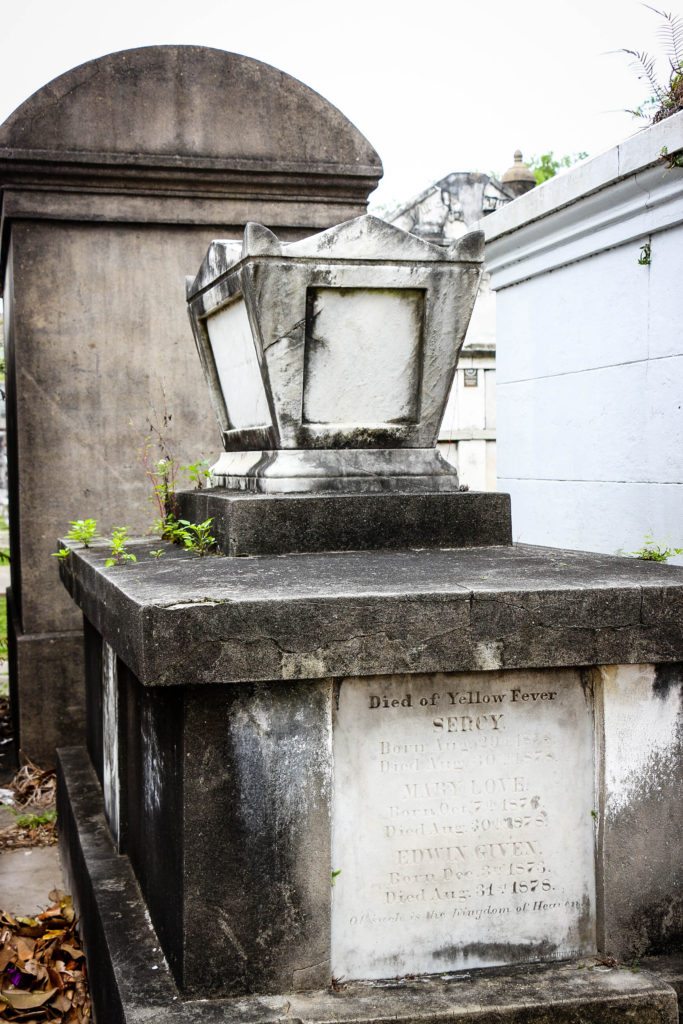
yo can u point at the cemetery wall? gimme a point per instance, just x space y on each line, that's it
587 271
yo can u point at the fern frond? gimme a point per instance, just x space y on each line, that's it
644 66
670 35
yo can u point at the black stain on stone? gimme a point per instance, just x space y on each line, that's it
667 678
586 677
499 952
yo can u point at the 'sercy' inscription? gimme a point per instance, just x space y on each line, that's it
461 810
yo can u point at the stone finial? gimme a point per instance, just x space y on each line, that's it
519 178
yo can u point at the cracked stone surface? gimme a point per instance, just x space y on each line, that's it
184 619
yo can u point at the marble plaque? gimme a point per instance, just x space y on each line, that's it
362 358
463 822
237 366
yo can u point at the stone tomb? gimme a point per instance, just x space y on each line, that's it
114 178
461 824
376 743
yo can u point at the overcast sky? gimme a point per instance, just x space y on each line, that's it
436 86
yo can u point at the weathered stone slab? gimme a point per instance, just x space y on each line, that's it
462 827
312 616
53 705
258 524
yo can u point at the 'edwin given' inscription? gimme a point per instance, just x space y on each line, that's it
462 825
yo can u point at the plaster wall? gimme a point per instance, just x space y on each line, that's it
589 350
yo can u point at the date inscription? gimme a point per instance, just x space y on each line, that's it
461 817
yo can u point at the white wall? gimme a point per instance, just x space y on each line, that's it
467 437
590 350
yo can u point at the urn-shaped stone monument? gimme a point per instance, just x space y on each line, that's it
330 360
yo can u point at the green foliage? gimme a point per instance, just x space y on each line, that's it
82 531
653 552
335 875
194 537
665 98
163 473
645 258
198 473
671 159
35 820
61 554
119 555
162 476
547 165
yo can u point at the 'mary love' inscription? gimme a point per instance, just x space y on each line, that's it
462 825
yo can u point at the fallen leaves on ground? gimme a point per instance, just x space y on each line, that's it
31 797
21 837
42 967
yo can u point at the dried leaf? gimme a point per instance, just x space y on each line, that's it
74 953
18 999
7 955
24 947
61 1003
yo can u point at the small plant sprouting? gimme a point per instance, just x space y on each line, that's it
61 554
671 159
594 815
157 553
195 537
198 473
335 875
653 552
82 531
119 555
645 258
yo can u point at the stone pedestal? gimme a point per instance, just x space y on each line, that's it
373 764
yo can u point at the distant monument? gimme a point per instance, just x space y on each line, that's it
441 214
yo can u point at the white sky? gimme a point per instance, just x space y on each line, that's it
436 86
